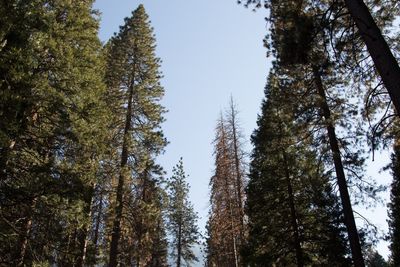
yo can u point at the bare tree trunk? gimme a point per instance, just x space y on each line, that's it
116 231
293 214
140 228
239 182
83 239
179 248
24 242
97 225
25 235
385 63
340 175
228 196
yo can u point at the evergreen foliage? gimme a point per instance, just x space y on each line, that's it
51 102
305 36
134 92
294 219
394 208
182 219
374 259
80 133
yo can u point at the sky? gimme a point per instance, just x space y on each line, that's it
210 51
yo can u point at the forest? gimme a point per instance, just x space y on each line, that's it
81 134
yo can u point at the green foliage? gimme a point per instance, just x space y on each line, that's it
52 135
280 159
374 259
134 91
394 208
182 219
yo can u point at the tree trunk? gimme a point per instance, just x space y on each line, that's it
25 235
141 230
83 239
24 242
385 63
341 179
228 196
293 214
97 225
116 231
239 182
179 248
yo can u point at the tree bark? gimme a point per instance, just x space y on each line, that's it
116 231
24 242
97 225
83 239
179 248
228 196
340 175
25 235
385 63
293 214
239 182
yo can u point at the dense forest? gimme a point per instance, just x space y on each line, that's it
81 133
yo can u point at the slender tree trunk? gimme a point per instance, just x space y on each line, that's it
83 239
293 214
24 242
341 178
235 253
394 205
97 225
140 228
179 248
25 235
239 182
228 196
116 231
385 63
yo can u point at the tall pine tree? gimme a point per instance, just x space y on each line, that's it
134 93
294 218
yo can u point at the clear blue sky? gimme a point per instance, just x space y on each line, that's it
210 50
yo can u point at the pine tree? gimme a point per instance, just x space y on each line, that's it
144 239
238 163
301 38
360 16
51 80
374 259
134 92
182 219
226 223
290 203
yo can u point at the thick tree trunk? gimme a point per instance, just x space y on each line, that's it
341 178
116 231
293 214
385 63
